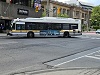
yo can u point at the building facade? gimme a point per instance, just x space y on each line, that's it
19 2
71 9
10 9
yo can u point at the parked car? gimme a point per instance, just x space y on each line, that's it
98 31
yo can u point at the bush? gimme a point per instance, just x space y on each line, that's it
96 27
44 14
84 27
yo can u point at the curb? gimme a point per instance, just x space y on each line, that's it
89 32
51 70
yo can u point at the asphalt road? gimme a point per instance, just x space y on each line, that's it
23 54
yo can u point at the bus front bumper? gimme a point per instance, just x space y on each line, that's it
9 34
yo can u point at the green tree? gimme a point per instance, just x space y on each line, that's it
95 16
44 14
63 15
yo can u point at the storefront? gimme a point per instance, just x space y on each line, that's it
20 2
13 11
4 25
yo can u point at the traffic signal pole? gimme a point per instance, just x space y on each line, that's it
47 13
88 21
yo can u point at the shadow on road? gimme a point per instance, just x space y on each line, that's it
38 37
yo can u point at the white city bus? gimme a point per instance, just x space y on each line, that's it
45 26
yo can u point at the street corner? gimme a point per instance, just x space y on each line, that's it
89 33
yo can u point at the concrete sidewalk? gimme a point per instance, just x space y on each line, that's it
89 32
3 34
74 71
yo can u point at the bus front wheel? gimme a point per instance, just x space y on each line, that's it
66 34
30 34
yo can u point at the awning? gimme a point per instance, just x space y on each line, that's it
2 17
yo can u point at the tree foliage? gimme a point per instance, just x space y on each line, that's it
95 16
59 15
44 14
96 27
63 15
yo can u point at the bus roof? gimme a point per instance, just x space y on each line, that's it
56 18
48 19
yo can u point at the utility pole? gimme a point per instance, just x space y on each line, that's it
88 21
7 6
47 11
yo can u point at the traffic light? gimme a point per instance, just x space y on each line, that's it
58 10
10 1
36 9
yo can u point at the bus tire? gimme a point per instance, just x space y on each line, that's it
66 34
30 34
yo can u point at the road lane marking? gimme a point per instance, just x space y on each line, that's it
8 42
75 59
68 61
98 38
97 55
93 57
87 37
95 38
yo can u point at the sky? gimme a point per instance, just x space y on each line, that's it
94 2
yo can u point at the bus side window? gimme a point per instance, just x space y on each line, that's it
58 26
18 27
49 26
73 26
23 27
66 26
34 26
30 26
42 26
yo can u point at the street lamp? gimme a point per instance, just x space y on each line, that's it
90 23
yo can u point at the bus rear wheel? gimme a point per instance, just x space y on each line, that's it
30 34
66 34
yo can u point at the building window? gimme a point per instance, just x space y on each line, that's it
77 14
22 2
68 12
85 16
64 11
82 21
61 10
3 0
42 8
54 11
82 15
74 13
